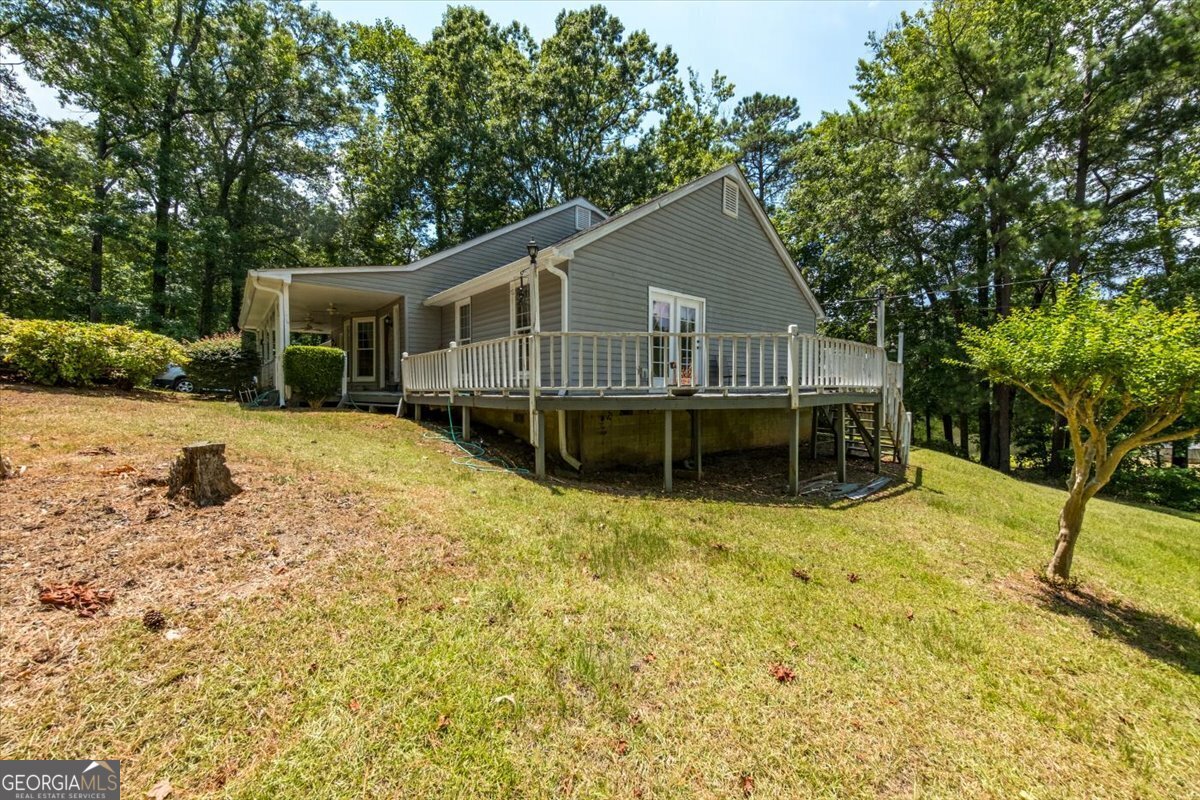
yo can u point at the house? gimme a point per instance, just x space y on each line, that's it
676 328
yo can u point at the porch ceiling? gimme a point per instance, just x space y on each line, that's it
315 299
307 299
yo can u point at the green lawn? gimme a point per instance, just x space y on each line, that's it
487 635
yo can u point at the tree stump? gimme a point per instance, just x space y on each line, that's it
200 474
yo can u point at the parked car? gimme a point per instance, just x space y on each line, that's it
175 378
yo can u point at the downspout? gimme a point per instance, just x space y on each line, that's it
281 299
573 462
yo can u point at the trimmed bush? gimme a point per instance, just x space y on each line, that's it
221 362
54 352
314 373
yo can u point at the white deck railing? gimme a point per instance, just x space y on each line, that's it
629 362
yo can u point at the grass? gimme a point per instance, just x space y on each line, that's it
492 636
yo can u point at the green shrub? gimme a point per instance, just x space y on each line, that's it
221 362
314 373
1171 487
54 352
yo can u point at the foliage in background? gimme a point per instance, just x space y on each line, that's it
313 373
1121 373
1167 487
54 352
223 361
993 148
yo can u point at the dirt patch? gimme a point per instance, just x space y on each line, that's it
98 520
1108 616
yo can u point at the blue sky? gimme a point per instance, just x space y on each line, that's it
804 49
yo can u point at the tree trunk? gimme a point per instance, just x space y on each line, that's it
99 211
948 429
162 216
1070 521
1179 453
201 474
928 426
984 413
1001 432
964 435
1058 442
1083 165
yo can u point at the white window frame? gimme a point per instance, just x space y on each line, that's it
458 333
727 185
513 330
358 376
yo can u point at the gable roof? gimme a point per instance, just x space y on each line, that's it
564 249
285 274
441 254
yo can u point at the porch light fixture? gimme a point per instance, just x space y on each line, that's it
532 249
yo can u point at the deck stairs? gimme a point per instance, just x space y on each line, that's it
861 428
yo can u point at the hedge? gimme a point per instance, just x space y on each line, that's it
313 373
223 361
54 352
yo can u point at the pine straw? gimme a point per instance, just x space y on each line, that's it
99 519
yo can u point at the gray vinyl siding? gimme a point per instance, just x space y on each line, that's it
491 311
689 247
424 327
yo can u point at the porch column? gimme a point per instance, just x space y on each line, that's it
839 440
878 411
668 473
539 447
285 332
794 452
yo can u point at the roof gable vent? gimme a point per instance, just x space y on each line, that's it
729 197
583 218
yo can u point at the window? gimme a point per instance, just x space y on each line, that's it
364 348
583 218
520 314
462 322
729 197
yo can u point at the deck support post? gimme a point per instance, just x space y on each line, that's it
812 434
794 452
466 424
668 472
839 440
878 413
416 412
697 454
539 447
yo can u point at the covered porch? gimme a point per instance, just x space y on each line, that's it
367 325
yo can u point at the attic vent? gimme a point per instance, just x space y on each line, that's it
729 197
583 218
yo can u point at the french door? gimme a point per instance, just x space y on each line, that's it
676 360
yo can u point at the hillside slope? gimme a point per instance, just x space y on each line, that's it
368 619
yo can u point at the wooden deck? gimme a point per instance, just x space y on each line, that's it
634 371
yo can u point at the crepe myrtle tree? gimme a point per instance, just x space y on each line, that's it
1121 372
